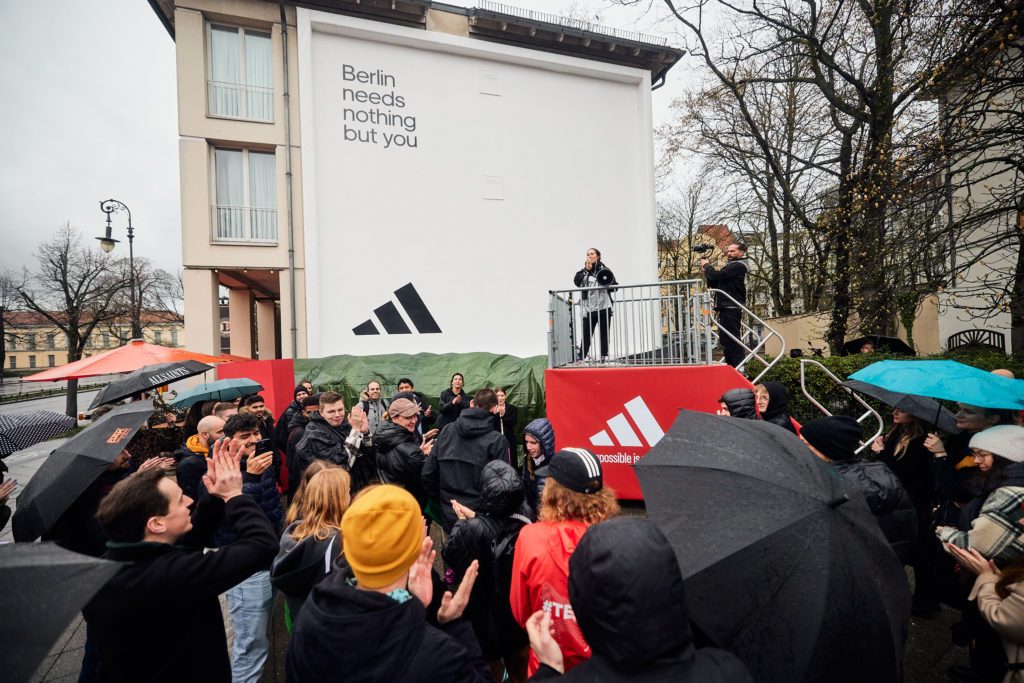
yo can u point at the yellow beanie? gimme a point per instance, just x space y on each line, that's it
381 534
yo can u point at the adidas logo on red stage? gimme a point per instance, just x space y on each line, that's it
624 432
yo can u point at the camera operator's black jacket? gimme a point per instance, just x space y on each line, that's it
731 279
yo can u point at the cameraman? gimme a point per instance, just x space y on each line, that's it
730 279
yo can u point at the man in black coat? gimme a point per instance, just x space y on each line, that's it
626 591
168 585
401 452
730 279
453 471
374 628
284 421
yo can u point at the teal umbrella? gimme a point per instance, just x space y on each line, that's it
221 390
946 380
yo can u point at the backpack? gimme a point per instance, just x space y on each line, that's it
503 550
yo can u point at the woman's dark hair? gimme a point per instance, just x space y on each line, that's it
597 251
997 474
452 380
192 418
904 434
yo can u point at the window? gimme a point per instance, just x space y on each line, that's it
174 337
31 361
51 340
158 337
105 337
12 342
246 195
30 341
51 360
14 362
241 81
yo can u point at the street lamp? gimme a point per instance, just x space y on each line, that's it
107 244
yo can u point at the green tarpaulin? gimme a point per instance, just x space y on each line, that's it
522 378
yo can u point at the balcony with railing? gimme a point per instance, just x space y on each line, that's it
663 323
240 101
244 224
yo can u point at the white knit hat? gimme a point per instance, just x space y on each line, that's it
1006 441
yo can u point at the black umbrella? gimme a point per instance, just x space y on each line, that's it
45 586
929 410
146 378
21 431
784 566
71 468
882 344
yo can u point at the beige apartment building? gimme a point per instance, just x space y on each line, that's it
33 342
247 192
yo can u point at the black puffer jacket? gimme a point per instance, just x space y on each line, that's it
400 460
624 572
321 440
454 466
347 635
501 496
888 501
741 403
541 430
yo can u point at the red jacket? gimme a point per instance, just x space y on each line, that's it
540 580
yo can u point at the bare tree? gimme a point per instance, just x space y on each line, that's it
866 67
8 300
159 298
679 221
76 289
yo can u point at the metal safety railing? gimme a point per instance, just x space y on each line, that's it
868 410
662 323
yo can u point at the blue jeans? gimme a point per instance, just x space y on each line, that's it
250 604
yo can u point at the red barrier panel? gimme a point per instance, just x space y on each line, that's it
276 376
620 413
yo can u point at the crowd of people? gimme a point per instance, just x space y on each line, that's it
951 507
331 507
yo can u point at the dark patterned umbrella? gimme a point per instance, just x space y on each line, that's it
21 431
44 588
72 467
146 378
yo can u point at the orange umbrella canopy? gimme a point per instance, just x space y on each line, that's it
132 356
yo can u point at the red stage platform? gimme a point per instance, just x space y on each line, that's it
620 413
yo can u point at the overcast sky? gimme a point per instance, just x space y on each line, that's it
89 113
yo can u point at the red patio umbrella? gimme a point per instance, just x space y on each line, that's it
132 356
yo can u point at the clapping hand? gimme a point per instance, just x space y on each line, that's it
452 606
157 463
542 640
6 489
223 477
461 511
420 583
357 419
972 560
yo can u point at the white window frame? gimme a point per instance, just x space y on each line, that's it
243 86
246 206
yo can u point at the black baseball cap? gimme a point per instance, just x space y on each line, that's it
577 469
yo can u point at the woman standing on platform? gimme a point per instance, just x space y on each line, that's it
596 303
452 401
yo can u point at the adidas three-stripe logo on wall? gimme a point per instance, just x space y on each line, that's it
393 322
623 431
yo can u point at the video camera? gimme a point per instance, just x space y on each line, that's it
703 248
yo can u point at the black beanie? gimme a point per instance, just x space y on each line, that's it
837 437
